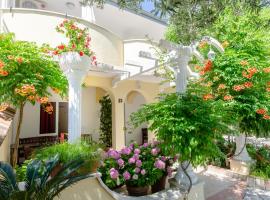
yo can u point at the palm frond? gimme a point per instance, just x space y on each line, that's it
7 181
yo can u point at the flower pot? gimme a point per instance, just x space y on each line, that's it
56 170
89 166
137 190
159 185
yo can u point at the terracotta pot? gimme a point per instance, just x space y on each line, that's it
56 170
89 167
137 190
159 185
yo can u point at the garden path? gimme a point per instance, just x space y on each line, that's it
222 184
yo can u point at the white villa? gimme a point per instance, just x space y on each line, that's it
123 42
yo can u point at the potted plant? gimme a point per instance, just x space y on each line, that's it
138 167
78 46
160 184
89 152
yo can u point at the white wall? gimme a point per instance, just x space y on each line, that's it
5 146
90 116
130 107
90 112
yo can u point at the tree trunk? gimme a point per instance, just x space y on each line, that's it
17 139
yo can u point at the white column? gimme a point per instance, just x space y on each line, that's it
185 54
182 71
88 13
75 67
74 105
241 153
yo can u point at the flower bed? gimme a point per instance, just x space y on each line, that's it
137 167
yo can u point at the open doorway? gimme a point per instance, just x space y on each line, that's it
133 102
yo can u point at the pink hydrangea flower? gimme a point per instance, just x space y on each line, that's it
137 170
137 151
126 175
114 173
163 158
131 160
131 146
160 164
145 145
138 163
143 172
113 154
155 151
121 162
136 156
126 151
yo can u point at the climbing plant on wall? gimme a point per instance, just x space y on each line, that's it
106 121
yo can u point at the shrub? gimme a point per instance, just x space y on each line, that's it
89 152
135 165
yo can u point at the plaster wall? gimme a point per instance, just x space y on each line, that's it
90 116
5 147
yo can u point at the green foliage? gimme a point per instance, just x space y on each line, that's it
38 183
106 121
241 76
262 166
21 170
261 156
191 18
186 123
27 72
68 152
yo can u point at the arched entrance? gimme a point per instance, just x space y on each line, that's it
133 102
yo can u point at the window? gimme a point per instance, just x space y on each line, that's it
47 121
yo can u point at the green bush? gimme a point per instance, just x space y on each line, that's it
68 152
262 166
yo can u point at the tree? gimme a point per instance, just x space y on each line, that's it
106 121
241 76
27 73
188 18
186 124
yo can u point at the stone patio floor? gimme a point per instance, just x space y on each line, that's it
222 184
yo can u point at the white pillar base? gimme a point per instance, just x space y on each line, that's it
182 179
241 162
